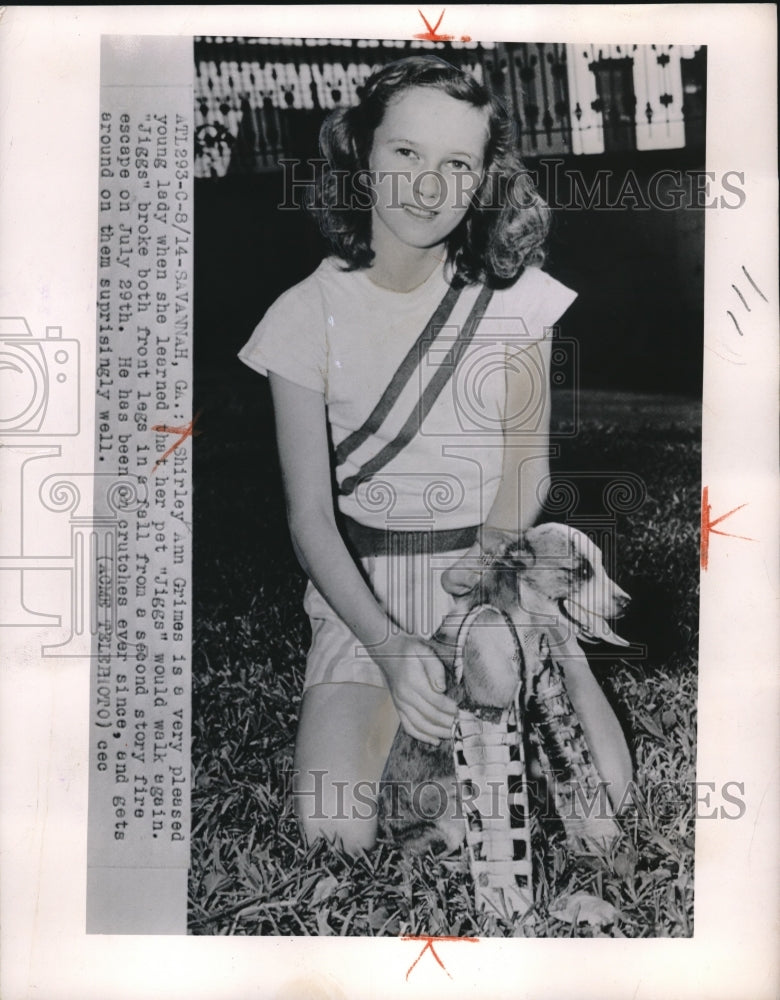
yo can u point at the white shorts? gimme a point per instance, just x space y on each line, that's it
408 588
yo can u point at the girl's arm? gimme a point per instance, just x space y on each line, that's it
526 462
414 675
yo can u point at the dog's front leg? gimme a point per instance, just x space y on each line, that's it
582 792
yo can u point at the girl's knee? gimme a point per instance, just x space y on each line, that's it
353 833
352 838
336 810
343 740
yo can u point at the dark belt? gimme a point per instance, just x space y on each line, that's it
368 541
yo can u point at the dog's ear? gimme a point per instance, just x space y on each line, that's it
523 554
499 582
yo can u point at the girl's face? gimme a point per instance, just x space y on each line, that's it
428 155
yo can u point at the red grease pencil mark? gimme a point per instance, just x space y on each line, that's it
187 431
431 34
429 945
708 526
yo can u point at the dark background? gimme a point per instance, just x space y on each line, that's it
638 272
638 318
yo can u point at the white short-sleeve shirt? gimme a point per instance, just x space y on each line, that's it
338 333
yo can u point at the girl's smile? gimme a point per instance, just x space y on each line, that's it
427 159
420 213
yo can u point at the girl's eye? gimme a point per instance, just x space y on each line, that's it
405 151
460 165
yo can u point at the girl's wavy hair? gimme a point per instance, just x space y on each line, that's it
507 222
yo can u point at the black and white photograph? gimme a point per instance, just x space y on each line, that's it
445 532
388 474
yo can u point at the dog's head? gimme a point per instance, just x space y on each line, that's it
554 567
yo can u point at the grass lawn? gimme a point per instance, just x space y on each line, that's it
250 873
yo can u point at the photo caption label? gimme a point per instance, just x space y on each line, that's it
139 796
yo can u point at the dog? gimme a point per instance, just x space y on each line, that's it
514 639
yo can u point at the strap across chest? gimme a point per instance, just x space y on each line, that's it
401 378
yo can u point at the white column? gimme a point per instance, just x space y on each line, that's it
654 83
587 125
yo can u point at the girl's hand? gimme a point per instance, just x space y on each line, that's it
416 679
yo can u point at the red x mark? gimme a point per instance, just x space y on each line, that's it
431 34
187 431
429 945
708 526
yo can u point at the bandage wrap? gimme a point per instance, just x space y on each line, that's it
491 774
492 777
563 751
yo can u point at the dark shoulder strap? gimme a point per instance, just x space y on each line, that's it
429 396
404 372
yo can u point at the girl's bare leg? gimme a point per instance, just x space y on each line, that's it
602 729
344 736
